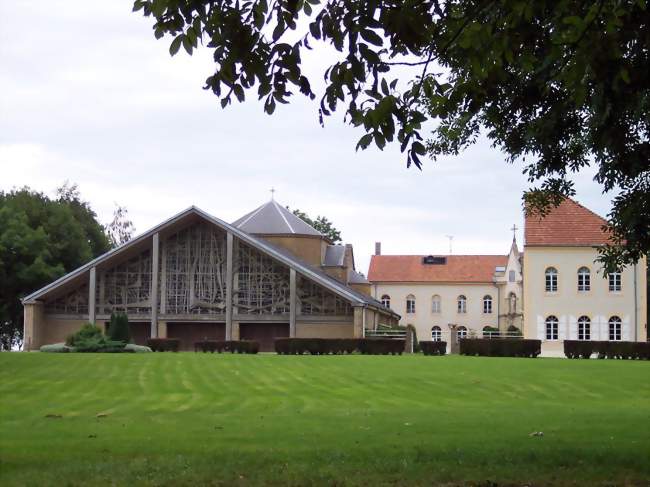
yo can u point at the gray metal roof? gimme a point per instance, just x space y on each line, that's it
355 277
308 271
334 255
274 219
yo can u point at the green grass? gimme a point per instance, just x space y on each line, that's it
191 419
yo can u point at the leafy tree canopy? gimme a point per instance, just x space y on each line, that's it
121 229
40 240
560 84
321 223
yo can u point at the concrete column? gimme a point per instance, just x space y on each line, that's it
153 295
92 290
235 330
163 279
32 326
229 286
293 301
358 322
162 329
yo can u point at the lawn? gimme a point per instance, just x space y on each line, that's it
192 419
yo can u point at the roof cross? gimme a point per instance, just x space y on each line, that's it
514 231
272 193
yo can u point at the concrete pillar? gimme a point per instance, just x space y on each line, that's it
235 331
153 295
229 286
92 290
162 329
454 345
32 326
293 301
358 322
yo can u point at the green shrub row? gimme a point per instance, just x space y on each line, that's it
433 348
232 346
324 346
164 344
496 347
606 349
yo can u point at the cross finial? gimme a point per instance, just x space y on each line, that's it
514 231
272 193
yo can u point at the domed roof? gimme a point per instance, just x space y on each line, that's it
274 219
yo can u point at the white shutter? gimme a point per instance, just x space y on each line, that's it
604 329
561 332
541 328
626 336
573 328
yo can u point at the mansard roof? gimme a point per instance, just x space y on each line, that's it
281 255
274 219
569 224
457 268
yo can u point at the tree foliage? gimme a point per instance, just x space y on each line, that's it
560 84
40 240
121 229
321 223
118 330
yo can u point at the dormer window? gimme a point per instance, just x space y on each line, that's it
434 260
511 276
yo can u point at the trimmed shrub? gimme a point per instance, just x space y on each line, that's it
324 346
579 348
496 347
232 346
606 349
433 348
381 346
118 329
57 348
91 339
164 344
88 332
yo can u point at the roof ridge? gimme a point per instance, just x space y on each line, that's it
282 215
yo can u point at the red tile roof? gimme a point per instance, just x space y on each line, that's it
569 224
459 268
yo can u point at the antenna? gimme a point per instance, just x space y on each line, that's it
450 237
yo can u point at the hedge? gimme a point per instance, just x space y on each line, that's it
433 348
324 346
497 347
232 346
164 344
607 349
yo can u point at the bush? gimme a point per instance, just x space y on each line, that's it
88 332
433 348
164 344
57 348
324 346
579 348
514 331
118 329
381 346
232 346
486 347
91 339
606 349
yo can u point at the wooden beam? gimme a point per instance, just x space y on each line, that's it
92 285
292 302
153 295
229 284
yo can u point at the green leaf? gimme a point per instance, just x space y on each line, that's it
372 37
364 141
176 44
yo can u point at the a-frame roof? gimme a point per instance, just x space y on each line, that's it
274 219
281 255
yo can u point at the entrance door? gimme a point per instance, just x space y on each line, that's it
192 332
264 333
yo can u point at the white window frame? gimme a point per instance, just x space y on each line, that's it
461 304
410 304
436 333
512 276
461 332
584 328
436 304
550 280
385 300
584 279
615 282
615 329
487 304
552 325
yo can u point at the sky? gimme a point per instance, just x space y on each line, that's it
88 95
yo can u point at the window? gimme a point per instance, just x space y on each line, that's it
511 276
435 304
487 304
489 332
584 279
462 304
436 334
385 300
615 282
584 328
551 280
462 332
615 328
410 304
552 326
512 303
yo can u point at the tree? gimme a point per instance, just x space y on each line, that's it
40 240
118 330
121 229
560 84
321 223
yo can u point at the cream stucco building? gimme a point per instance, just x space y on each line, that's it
554 290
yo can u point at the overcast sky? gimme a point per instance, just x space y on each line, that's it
87 94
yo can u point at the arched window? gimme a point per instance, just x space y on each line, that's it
489 332
462 304
584 279
487 304
385 300
462 332
511 276
615 282
584 328
435 304
512 303
615 328
552 326
410 304
436 334
551 280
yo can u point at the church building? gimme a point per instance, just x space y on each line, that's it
193 277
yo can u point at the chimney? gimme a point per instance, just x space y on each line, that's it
377 248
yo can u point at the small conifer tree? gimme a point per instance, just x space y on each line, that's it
118 329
